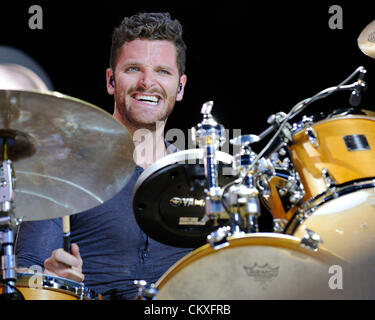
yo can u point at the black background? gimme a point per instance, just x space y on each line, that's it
251 59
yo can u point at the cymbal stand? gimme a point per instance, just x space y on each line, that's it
209 135
243 196
7 224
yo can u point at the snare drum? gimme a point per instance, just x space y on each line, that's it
256 266
45 287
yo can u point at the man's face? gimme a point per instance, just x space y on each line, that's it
146 82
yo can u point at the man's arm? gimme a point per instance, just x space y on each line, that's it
40 243
36 240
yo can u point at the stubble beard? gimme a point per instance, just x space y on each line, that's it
129 116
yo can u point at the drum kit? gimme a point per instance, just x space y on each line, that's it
315 176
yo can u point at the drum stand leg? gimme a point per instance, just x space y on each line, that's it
8 264
252 223
236 223
7 224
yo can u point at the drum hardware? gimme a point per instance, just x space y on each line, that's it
242 200
218 238
276 120
281 180
209 135
145 291
243 206
279 225
359 86
310 240
329 181
8 222
279 121
312 136
40 286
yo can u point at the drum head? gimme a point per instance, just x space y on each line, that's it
257 266
180 175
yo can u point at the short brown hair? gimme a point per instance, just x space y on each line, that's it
150 26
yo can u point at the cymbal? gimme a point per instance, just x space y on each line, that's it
68 155
366 40
168 198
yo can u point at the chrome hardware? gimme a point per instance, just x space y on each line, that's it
312 136
307 120
294 188
279 225
329 181
244 206
209 135
311 240
7 223
276 120
282 152
145 291
218 238
7 185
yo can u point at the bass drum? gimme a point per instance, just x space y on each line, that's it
344 218
40 286
258 266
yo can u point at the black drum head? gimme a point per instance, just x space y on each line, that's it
177 226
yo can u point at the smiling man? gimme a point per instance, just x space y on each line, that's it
109 250
147 78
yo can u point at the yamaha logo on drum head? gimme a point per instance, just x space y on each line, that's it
262 274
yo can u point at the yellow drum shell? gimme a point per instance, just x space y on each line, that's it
47 287
332 153
273 202
346 225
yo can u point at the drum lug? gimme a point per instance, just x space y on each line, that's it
218 238
145 291
279 225
329 181
312 136
311 240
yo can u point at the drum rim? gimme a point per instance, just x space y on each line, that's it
307 209
190 154
260 238
58 284
298 128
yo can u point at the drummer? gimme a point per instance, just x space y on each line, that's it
109 250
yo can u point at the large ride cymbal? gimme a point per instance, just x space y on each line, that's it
366 40
68 155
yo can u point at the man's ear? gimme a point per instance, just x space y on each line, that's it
181 87
110 81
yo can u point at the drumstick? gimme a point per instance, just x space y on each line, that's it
66 233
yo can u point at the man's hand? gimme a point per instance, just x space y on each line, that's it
64 264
